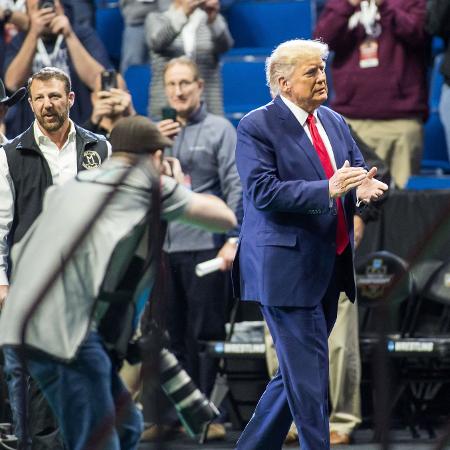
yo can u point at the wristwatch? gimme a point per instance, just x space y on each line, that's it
7 13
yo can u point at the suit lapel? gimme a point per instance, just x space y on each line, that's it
296 132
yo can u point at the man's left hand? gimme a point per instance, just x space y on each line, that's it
371 188
227 252
61 25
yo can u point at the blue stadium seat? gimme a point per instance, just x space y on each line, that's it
266 23
435 154
419 182
244 85
109 25
138 82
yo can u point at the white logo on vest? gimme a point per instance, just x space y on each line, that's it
91 159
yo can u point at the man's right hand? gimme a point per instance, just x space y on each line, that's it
39 18
345 179
169 128
4 288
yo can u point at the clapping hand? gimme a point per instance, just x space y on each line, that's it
371 188
345 179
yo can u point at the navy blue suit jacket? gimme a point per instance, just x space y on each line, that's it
287 246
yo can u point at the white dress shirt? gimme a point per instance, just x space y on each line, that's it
63 167
301 115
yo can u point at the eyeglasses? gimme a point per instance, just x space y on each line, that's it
182 85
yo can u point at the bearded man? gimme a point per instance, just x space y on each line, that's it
51 151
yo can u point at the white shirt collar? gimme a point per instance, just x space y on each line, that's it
40 137
300 114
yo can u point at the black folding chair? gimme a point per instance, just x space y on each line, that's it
429 328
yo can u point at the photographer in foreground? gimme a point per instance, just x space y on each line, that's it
65 353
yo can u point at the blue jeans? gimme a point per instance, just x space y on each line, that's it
444 112
29 408
90 402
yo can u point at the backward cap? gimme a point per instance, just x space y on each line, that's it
137 134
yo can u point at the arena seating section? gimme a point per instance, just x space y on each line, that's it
257 27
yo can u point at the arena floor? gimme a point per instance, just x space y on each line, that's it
400 440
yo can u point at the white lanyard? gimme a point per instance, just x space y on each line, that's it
45 56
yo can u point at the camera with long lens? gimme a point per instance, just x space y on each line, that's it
193 408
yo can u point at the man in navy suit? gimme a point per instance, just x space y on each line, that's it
302 176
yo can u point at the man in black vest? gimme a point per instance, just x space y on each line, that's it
51 151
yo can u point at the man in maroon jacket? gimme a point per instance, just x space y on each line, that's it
379 75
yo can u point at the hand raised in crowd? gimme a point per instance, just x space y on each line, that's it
354 3
40 19
345 179
61 25
212 8
169 128
115 102
371 188
172 168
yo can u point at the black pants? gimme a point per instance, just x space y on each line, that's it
196 311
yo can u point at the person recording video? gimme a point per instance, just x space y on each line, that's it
65 350
110 102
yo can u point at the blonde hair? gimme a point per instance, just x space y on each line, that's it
285 57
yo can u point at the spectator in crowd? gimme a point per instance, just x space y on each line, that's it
193 28
204 144
51 151
134 47
52 41
379 75
109 104
66 351
438 23
13 18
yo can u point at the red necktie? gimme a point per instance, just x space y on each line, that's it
341 230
